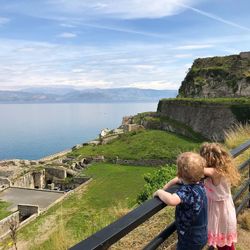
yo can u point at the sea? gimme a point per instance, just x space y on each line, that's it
33 131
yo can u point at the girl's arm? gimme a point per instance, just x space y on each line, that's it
210 172
166 197
171 183
213 174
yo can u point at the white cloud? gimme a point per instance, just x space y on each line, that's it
125 9
183 56
214 17
154 85
144 66
130 9
4 20
77 70
159 66
67 25
67 35
194 46
32 63
124 30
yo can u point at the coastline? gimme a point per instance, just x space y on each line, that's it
55 155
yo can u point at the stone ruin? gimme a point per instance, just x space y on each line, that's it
128 124
22 173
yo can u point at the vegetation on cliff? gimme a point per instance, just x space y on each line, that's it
219 101
218 76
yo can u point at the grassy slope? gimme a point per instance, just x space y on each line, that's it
4 212
148 144
86 211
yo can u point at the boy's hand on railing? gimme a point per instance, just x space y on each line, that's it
171 183
156 194
168 198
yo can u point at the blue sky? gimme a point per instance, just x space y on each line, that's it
115 43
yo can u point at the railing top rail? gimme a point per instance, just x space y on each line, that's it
237 151
244 165
115 231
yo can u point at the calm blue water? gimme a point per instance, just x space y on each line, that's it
32 131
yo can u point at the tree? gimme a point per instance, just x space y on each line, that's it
13 226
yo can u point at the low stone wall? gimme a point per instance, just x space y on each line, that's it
25 214
5 224
26 180
66 195
72 184
57 172
26 210
39 179
33 210
146 162
4 182
107 139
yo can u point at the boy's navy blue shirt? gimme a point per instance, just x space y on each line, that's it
192 211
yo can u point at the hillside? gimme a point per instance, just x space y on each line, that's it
145 147
227 76
108 195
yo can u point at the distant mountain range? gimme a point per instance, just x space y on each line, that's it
71 95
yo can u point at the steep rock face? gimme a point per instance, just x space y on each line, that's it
211 120
227 76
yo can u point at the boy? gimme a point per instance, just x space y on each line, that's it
190 201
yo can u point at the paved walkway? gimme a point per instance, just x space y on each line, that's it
38 197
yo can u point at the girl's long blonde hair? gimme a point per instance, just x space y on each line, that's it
219 158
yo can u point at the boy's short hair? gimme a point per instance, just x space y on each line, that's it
190 167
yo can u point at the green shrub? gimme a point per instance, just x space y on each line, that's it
155 181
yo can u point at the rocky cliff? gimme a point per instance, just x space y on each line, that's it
227 76
209 117
203 119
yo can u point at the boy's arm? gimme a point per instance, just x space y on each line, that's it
168 198
171 183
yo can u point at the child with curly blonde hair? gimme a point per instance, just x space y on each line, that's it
190 201
221 173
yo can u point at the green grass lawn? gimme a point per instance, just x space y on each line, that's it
4 212
114 188
115 184
145 144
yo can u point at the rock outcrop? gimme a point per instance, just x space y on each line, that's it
210 119
201 119
227 76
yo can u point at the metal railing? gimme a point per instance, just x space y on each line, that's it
107 236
